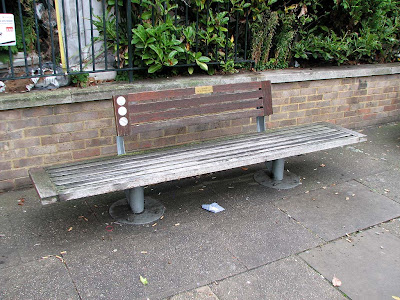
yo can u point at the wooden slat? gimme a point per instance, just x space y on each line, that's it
253 140
207 111
45 188
212 166
272 135
157 162
155 106
267 97
191 161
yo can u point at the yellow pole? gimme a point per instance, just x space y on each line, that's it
60 37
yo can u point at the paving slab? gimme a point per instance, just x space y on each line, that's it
202 293
383 143
289 278
393 226
340 209
184 257
43 279
368 267
9 255
385 183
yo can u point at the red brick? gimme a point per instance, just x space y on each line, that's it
305 120
35 151
249 128
26 143
364 110
12 154
291 107
307 105
324 103
22 123
5 165
308 91
28 162
240 122
101 123
12 174
83 135
390 107
151 134
290 93
284 86
39 131
68 108
330 96
280 116
8 136
174 131
325 89
343 108
348 80
197 128
11 114
110 150
67 127
57 158
314 98
98 142
93 152
37 111
297 114
83 116
285 123
6 185
164 142
298 99
360 93
55 139
280 101
53 119
68 146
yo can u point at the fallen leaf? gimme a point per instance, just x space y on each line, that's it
84 218
143 280
322 165
336 281
245 168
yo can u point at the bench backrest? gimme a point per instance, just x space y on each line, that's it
145 111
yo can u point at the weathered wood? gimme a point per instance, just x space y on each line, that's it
45 188
267 97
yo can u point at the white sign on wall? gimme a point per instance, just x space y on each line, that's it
7 30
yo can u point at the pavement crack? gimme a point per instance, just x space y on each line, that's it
62 259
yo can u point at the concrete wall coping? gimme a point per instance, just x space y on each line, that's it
106 91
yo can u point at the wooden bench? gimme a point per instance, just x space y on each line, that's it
157 110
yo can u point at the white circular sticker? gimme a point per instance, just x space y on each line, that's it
121 100
122 111
123 121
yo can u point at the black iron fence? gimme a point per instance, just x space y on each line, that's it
90 36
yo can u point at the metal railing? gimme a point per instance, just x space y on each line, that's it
89 36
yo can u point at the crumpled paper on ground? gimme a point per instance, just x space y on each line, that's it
213 207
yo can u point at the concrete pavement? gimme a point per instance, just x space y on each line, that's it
342 221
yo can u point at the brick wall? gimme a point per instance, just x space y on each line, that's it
35 137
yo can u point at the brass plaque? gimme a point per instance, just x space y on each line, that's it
207 89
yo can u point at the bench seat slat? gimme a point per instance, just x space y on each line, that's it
145 162
189 161
106 162
211 166
198 159
260 139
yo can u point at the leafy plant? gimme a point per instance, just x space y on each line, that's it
79 79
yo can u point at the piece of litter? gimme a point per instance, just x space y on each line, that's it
381 247
336 281
177 224
143 252
143 280
231 187
84 218
322 165
349 240
155 224
115 250
213 207
63 252
162 217
347 198
69 229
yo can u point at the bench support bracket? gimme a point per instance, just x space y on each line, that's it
275 176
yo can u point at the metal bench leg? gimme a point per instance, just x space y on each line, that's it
136 209
275 176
